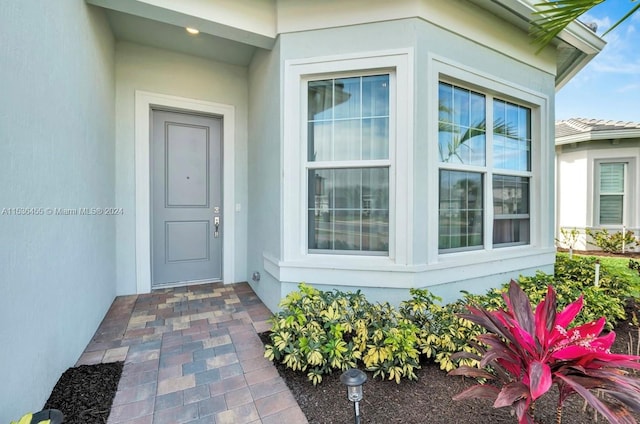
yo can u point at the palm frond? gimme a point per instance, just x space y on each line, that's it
556 15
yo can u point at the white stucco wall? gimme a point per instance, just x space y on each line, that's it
57 273
165 72
577 190
572 185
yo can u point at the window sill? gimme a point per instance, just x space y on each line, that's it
372 271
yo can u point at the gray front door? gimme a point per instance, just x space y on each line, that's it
186 201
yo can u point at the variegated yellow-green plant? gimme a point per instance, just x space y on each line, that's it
26 419
318 332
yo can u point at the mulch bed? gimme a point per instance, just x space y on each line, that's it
84 394
429 399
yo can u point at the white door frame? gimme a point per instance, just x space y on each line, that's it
144 101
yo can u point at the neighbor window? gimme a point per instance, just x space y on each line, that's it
348 164
611 193
478 160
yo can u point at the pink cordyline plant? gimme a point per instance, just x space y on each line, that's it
529 351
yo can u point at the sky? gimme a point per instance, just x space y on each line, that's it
609 86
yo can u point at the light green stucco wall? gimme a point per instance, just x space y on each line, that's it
57 273
265 173
166 72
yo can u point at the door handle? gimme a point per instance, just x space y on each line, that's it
216 224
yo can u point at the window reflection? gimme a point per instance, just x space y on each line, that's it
461 125
349 209
348 119
460 210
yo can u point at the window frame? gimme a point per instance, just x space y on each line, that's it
361 164
444 70
295 257
628 169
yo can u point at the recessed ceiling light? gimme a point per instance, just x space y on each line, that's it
192 31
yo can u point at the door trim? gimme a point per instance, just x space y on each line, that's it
144 102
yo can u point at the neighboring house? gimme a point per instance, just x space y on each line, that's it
598 181
376 145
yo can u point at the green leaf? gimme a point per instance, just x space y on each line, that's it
556 15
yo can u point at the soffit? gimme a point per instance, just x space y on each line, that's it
231 29
158 34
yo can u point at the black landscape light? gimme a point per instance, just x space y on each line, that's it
353 378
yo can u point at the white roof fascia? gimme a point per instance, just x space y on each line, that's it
598 135
576 34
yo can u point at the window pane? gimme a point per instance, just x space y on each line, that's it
611 178
348 119
510 195
445 102
349 209
375 138
460 210
320 100
512 142
461 126
347 92
510 231
320 141
510 210
375 96
461 107
611 209
346 139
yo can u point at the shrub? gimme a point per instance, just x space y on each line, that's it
320 331
572 277
611 242
391 348
527 352
634 265
576 276
568 237
441 331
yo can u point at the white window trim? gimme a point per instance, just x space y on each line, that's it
296 261
442 69
144 101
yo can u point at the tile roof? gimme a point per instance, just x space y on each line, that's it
578 126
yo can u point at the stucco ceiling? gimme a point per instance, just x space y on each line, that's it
153 33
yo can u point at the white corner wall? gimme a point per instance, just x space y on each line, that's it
572 184
152 70
57 272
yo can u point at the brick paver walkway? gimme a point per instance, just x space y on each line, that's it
192 355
